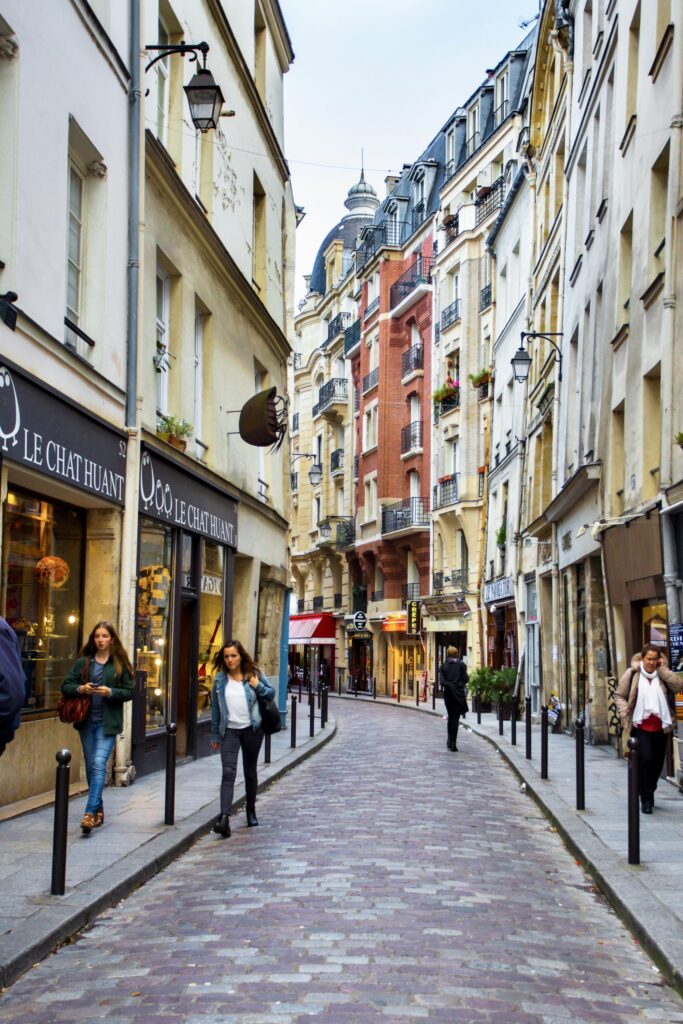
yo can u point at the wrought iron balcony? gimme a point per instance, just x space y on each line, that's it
485 297
294 481
501 112
493 200
412 360
332 392
371 307
356 466
411 513
318 604
484 391
419 214
386 233
445 492
371 380
452 229
410 591
420 272
458 579
345 536
337 460
338 324
411 437
315 411
437 333
447 405
295 423
351 337
470 146
450 315
356 399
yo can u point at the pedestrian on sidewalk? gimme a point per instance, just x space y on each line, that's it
453 680
104 673
12 684
236 725
643 708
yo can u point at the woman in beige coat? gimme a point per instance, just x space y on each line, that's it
643 708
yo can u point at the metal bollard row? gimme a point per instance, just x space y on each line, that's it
169 802
61 822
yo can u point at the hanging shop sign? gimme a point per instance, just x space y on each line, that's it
44 431
445 607
499 590
395 622
413 618
182 499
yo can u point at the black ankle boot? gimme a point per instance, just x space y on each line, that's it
252 820
222 826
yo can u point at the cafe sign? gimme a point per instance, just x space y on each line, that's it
499 590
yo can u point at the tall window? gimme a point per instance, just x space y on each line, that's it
162 67
154 618
260 52
659 184
632 74
198 381
162 360
74 255
258 272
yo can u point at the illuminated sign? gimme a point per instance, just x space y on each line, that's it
413 618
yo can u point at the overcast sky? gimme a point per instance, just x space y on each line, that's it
382 76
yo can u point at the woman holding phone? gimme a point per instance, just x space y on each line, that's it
102 672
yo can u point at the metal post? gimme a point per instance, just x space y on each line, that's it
544 741
311 718
292 718
434 695
500 717
323 709
374 687
633 812
320 695
266 750
355 682
61 822
398 691
527 720
299 689
580 766
477 698
513 723
169 809
417 693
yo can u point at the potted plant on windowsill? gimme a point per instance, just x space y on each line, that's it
679 439
174 431
447 390
479 378
501 536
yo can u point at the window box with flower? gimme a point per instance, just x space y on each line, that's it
174 431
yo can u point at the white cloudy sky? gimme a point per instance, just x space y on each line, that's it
382 76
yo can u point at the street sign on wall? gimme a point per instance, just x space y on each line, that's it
360 621
413 618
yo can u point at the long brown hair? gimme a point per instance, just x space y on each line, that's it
116 651
248 666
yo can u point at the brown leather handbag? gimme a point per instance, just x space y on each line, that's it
73 710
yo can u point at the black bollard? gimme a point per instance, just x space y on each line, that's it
580 772
292 717
266 750
513 723
374 687
320 696
500 717
299 689
477 698
544 742
527 719
633 812
61 822
417 693
398 691
169 809
311 719
434 696
323 709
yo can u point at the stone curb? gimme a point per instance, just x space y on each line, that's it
55 924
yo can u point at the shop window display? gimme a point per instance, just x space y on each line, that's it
153 618
42 559
210 620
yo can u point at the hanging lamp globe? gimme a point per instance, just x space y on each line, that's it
205 99
521 364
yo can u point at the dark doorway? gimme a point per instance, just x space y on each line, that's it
186 679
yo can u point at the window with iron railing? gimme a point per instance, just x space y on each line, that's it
450 315
377 595
356 400
445 492
338 324
334 390
295 423
485 297
410 591
501 112
337 600
483 392
301 604
419 214
420 272
452 229
318 604
337 460
371 307
493 200
351 337
407 514
411 436
345 536
437 333
294 479
386 233
371 380
471 145
356 466
447 405
412 360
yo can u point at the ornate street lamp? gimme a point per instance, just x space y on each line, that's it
521 361
315 473
203 94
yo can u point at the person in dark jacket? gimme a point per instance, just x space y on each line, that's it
12 684
453 680
104 673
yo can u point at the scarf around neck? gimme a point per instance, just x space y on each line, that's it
650 700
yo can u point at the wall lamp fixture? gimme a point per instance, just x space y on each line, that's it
326 529
521 361
8 313
315 473
204 96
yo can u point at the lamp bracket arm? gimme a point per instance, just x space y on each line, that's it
194 49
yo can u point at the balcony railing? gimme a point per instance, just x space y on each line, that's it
491 201
385 233
351 337
470 146
410 591
356 466
485 297
295 423
419 273
371 380
412 360
411 436
356 399
438 582
294 481
318 604
419 214
447 404
371 307
445 492
345 536
338 324
483 391
459 579
452 229
501 112
450 314
337 460
333 390
437 333
406 514
301 604
315 411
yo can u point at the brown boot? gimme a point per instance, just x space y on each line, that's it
99 818
87 824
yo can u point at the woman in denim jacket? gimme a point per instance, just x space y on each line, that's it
236 724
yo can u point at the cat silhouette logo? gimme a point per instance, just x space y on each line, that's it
10 416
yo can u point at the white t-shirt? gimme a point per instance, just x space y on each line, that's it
238 708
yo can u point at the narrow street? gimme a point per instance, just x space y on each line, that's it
390 879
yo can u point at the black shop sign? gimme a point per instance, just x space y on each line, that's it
42 430
179 498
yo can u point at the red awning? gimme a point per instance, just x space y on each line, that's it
311 629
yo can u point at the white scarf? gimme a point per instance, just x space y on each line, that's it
651 700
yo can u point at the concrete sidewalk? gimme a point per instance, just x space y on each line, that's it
648 897
131 847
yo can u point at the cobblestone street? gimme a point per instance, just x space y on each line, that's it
390 879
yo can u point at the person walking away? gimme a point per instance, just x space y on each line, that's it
12 684
236 725
104 673
453 680
643 708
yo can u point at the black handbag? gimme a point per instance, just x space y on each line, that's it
270 714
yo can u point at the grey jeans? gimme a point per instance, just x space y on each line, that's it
249 741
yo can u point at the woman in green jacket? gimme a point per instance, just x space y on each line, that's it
102 672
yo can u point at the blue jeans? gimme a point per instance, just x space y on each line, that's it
96 750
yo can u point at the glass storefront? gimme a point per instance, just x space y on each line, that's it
42 587
210 621
152 644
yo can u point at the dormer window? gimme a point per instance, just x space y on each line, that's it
502 97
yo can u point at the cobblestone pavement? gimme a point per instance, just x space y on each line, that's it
390 880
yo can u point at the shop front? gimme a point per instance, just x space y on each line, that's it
405 656
312 650
501 623
186 549
63 481
445 619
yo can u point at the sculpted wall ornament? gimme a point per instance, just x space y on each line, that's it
9 47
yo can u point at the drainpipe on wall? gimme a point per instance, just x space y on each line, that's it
124 771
